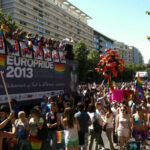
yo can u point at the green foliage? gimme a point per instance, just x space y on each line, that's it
92 61
80 55
130 71
7 20
148 12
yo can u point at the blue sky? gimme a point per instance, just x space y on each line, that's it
122 20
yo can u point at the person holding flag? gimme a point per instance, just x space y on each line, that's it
139 88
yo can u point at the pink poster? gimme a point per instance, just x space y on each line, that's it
117 95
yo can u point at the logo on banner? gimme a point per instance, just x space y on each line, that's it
59 70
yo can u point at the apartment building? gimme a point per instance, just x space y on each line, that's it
102 42
124 51
57 19
129 54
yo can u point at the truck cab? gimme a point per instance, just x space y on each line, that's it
143 75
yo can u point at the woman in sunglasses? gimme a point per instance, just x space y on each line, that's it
122 128
139 125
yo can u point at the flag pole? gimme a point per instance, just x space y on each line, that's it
4 83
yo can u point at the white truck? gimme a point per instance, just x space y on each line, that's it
143 75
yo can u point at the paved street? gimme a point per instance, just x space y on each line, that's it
106 143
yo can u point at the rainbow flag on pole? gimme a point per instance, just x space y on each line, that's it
139 88
2 30
59 70
11 49
60 136
2 62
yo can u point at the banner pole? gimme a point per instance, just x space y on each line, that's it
4 83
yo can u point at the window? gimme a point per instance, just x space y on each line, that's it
23 12
35 18
23 23
46 31
64 23
35 27
56 27
23 2
34 8
41 15
56 35
40 5
41 24
40 33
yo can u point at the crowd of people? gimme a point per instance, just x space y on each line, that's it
80 118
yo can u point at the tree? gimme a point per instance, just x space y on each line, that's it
92 61
80 54
7 20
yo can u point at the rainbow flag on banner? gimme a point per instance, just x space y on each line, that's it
2 62
139 88
60 136
59 70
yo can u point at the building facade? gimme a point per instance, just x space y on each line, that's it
124 51
102 42
57 19
129 54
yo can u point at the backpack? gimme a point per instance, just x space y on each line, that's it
96 125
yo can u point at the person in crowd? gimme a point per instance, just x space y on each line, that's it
53 121
7 134
123 127
60 104
148 121
86 101
114 110
22 131
99 113
93 136
84 121
139 126
71 100
65 95
108 120
144 107
44 106
15 107
35 125
134 104
50 100
71 126
35 40
4 114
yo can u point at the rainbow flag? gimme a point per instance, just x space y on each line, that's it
29 44
2 30
110 86
69 39
139 88
2 62
59 70
8 44
60 136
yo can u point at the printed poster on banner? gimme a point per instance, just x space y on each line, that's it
38 52
14 44
55 56
62 57
47 54
2 46
24 50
